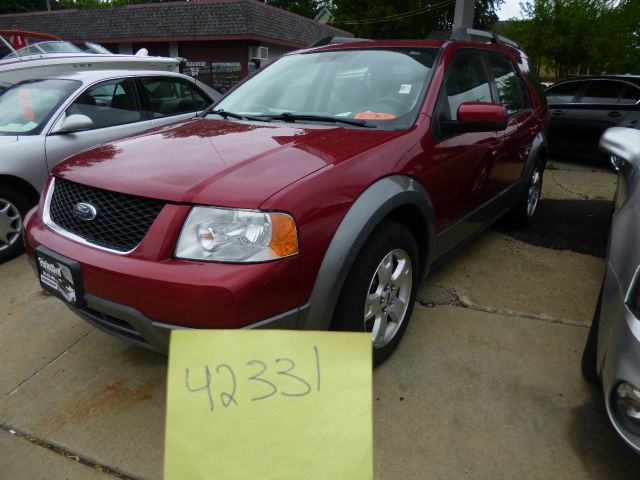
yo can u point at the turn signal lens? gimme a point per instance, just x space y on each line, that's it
284 238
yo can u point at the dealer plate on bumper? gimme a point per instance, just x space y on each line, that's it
59 275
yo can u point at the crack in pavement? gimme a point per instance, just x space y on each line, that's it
458 300
65 453
45 365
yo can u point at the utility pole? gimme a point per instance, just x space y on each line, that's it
464 13
48 5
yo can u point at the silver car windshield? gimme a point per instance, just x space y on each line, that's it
26 107
383 87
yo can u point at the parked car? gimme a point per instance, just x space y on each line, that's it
44 121
611 357
315 196
583 108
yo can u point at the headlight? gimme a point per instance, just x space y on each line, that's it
231 235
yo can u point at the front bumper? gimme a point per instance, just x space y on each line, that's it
141 297
619 354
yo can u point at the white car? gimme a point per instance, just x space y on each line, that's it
44 121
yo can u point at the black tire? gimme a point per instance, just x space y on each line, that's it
394 243
521 215
590 353
12 203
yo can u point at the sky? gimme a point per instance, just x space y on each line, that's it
509 9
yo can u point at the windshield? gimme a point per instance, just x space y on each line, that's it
41 48
95 48
384 87
26 107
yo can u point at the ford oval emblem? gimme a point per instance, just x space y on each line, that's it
85 211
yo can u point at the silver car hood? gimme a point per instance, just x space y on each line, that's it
8 139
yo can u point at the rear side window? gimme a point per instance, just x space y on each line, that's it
108 104
630 96
172 96
563 93
602 92
508 83
467 81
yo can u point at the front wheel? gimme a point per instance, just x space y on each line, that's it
379 292
13 207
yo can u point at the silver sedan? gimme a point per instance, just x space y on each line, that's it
44 121
611 357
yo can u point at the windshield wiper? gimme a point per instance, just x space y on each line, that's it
224 114
292 117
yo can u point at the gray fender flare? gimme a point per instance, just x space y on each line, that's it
539 143
371 207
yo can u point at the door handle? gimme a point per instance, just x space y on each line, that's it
557 113
614 114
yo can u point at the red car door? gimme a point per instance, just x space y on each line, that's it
469 159
522 126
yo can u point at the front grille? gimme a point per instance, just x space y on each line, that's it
121 222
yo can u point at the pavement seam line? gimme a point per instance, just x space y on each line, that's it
65 453
46 365
465 302
581 195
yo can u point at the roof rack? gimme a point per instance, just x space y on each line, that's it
463 33
334 40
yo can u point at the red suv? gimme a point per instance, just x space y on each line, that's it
314 195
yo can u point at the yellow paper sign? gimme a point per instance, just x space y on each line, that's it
269 404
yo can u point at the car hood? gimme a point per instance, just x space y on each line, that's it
217 162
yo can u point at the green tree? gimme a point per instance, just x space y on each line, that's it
307 8
405 18
579 36
21 6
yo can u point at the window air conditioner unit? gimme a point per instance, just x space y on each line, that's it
258 53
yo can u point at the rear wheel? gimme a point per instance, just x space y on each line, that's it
13 207
527 205
380 290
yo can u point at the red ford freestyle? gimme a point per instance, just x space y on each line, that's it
314 195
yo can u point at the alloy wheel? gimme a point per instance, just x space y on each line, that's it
10 224
388 297
534 191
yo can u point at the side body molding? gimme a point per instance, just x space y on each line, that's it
376 202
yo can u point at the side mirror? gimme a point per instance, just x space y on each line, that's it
75 123
622 143
478 117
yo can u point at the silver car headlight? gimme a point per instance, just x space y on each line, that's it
232 235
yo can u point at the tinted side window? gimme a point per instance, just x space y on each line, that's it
630 96
172 96
508 84
467 81
563 93
110 103
602 92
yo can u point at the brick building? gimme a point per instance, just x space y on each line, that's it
221 39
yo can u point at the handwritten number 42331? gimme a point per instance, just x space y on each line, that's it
265 384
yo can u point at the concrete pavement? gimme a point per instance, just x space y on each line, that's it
485 385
